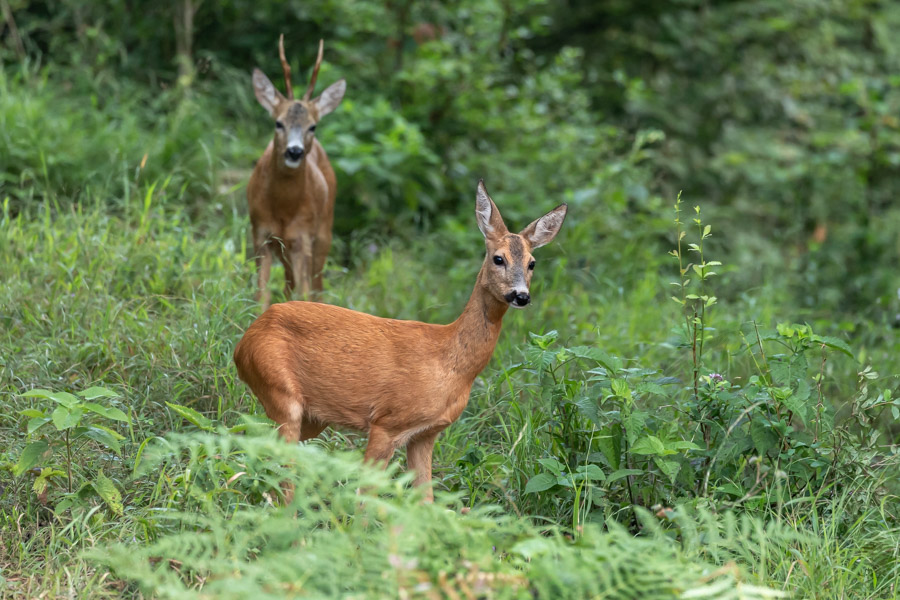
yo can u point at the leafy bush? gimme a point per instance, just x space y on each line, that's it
78 420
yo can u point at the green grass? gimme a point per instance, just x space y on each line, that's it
139 282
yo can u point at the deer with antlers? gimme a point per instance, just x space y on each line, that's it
292 190
313 365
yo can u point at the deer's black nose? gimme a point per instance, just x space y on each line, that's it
522 299
294 153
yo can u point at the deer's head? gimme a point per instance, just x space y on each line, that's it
509 264
295 120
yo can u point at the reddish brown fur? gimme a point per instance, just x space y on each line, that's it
313 365
292 209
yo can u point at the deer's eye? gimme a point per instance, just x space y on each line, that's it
498 260
279 125
531 266
312 129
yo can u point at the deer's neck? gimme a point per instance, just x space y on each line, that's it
284 175
474 334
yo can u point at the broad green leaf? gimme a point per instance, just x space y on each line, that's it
107 490
588 407
611 363
648 387
31 455
620 388
252 423
616 475
105 438
731 489
833 342
764 439
40 484
566 480
669 467
553 465
118 436
650 444
110 412
192 416
682 445
634 425
539 358
92 393
799 402
43 480
591 473
610 442
32 413
543 341
66 418
540 482
64 398
36 423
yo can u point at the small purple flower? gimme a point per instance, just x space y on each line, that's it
716 377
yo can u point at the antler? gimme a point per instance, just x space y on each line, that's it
315 73
286 67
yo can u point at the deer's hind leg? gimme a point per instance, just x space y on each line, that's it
286 409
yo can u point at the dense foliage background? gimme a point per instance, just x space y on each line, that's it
743 436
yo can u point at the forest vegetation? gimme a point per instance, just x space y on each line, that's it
701 400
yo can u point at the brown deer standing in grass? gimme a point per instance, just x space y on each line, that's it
292 189
312 365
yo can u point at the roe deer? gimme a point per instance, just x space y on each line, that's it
312 365
292 189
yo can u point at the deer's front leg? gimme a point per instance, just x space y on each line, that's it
301 262
418 455
263 257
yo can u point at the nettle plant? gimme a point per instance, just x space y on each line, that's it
622 435
59 435
777 434
616 439
694 298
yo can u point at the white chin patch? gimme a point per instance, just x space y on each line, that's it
291 164
514 305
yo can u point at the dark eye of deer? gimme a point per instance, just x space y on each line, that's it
531 266
279 125
312 129
498 260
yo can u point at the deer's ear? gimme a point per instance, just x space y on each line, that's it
542 231
266 94
490 222
331 97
